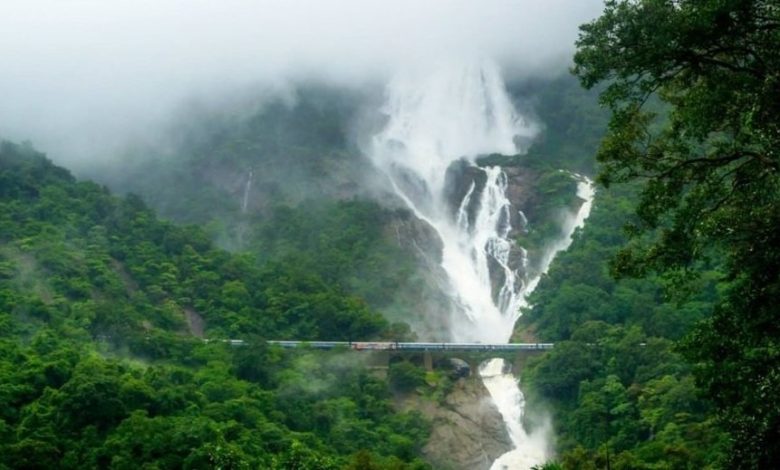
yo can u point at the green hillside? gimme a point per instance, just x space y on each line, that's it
616 383
101 306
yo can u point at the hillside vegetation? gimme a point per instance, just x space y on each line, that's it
617 385
101 306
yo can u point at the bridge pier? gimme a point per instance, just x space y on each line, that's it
379 362
428 361
473 366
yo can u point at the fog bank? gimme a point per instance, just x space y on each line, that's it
82 76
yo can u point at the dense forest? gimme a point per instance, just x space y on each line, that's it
102 362
691 150
284 182
618 387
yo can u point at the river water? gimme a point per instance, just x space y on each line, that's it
530 448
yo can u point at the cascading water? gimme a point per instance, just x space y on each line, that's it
586 192
242 226
436 118
530 448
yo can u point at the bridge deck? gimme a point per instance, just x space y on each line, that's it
411 347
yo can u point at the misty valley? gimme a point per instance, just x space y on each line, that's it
464 253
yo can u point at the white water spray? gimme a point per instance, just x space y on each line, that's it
530 448
586 191
436 118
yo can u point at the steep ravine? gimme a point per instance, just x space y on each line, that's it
447 127
468 429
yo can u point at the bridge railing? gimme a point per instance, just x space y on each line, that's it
409 346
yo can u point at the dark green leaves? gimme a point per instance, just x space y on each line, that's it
711 175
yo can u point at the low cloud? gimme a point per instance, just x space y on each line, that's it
80 76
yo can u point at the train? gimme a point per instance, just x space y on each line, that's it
405 346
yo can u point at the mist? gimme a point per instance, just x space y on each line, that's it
82 78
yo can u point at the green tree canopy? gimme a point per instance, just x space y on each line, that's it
694 90
102 364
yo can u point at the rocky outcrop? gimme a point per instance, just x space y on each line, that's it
459 368
522 193
459 179
195 322
465 183
429 315
416 236
532 218
468 432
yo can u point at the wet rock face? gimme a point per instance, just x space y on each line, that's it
457 181
521 192
462 176
414 187
416 236
459 368
468 432
431 317
420 239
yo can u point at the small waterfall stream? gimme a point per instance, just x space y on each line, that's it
436 118
247 191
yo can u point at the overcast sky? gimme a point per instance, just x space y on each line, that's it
80 72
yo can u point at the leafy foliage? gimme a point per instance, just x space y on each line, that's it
572 122
619 389
711 180
101 304
281 180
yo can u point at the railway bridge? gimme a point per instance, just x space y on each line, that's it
381 353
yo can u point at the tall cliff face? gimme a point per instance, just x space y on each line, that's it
521 189
528 211
468 432
523 194
295 147
421 303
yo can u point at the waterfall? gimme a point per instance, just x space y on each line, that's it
586 191
530 448
436 118
247 190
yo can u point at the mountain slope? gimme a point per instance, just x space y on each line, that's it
100 306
